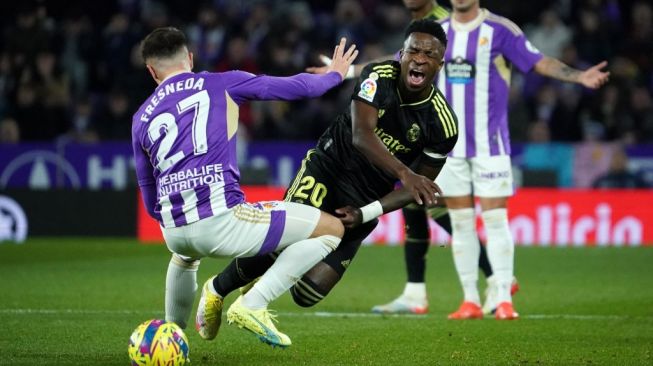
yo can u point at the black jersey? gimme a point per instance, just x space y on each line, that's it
426 130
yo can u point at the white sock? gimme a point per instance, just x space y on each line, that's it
415 290
181 284
466 250
290 266
500 250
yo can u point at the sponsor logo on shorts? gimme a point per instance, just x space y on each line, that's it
494 175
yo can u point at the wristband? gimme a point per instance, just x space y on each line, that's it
371 211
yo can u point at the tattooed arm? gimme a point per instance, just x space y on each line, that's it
592 78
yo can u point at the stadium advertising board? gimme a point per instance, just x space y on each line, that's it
43 166
538 217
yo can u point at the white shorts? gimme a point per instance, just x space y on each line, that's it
488 176
245 230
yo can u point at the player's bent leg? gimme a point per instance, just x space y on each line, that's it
250 311
320 279
296 259
181 284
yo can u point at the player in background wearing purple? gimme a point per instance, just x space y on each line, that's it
185 153
476 83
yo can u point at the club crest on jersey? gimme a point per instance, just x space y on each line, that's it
368 89
413 132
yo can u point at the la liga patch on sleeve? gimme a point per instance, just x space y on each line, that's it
368 89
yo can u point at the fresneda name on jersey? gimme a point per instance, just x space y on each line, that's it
189 84
190 178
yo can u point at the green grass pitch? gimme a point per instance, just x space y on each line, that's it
76 301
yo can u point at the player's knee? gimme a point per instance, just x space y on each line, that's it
329 225
184 262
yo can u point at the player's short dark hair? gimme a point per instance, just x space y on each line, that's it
427 26
163 42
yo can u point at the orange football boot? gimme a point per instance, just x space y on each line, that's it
505 311
467 310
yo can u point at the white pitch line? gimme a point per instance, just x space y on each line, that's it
75 311
321 314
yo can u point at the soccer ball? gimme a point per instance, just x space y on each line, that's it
157 343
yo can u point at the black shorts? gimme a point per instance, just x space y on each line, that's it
319 183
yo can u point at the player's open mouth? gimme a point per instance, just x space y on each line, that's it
416 78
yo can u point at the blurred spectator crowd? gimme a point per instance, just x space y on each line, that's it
72 70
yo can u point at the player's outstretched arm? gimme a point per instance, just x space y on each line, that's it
592 78
264 87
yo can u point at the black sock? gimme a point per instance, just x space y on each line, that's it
417 243
240 272
415 256
483 262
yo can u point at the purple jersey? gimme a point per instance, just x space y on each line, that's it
476 80
184 141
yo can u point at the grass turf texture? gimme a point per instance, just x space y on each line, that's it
76 301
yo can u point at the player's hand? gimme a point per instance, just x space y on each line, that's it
593 77
423 189
350 216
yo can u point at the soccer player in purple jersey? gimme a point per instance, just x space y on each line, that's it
476 81
184 141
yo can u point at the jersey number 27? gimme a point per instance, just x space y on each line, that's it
199 102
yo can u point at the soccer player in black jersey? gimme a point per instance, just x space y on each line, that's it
398 121
413 298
